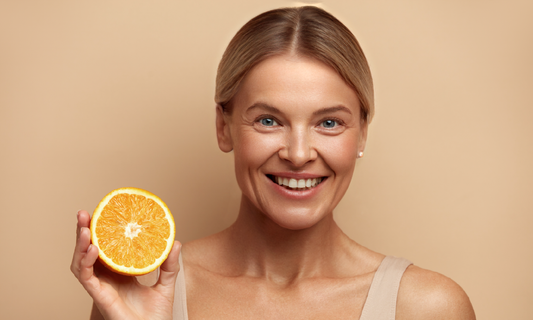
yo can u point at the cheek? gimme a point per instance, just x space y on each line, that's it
340 153
253 149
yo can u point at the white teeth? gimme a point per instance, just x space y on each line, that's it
293 183
300 184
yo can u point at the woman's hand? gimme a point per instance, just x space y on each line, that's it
118 296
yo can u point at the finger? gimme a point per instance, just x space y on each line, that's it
86 271
84 220
170 268
80 251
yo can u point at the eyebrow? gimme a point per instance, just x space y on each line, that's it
319 112
331 110
263 105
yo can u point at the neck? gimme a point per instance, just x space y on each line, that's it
264 249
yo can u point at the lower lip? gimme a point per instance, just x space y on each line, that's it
295 194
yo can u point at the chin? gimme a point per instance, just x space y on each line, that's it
296 220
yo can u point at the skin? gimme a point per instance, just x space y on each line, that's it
285 257
121 297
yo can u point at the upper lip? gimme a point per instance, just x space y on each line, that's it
296 175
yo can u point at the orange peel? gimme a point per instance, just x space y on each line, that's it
133 230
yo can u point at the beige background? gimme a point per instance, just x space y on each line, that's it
96 95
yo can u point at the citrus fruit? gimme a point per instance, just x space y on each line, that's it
133 230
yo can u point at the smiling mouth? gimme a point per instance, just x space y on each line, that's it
296 184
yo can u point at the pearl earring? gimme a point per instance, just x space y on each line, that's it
360 154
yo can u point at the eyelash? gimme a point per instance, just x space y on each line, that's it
266 116
337 120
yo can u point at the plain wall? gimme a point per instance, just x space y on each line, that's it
97 95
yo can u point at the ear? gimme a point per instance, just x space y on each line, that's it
362 137
225 143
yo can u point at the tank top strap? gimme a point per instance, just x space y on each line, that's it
180 297
381 299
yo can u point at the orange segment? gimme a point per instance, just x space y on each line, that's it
133 230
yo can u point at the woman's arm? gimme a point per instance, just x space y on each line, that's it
118 296
95 313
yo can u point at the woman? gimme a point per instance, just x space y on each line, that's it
294 98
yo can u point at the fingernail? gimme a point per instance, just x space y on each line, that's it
90 247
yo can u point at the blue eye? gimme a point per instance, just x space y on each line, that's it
268 122
329 124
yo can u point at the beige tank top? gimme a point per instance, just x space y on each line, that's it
380 303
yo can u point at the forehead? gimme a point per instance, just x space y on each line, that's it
295 82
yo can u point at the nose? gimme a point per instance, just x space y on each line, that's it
298 148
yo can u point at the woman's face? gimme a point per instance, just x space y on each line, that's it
294 122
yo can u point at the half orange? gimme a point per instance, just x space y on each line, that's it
133 230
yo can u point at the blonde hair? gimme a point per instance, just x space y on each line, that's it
308 31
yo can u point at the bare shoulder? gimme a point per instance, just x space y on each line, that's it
425 294
205 252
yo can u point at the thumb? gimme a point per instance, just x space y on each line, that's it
170 268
